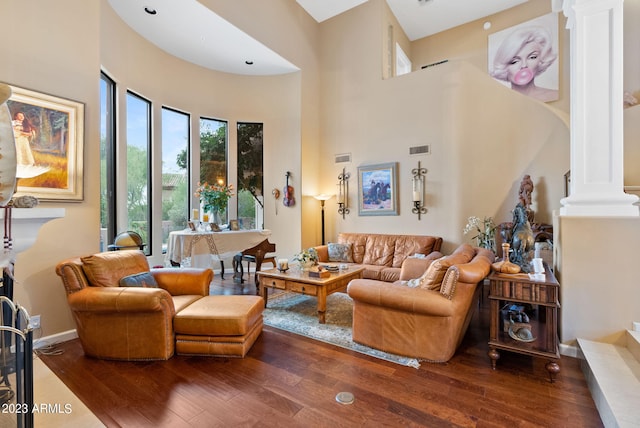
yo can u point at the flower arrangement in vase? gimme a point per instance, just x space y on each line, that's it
214 198
485 232
307 258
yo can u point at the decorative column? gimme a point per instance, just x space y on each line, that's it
597 156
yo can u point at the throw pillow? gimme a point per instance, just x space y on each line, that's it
143 279
449 282
433 274
340 253
106 269
432 278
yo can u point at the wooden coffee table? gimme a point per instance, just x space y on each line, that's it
300 282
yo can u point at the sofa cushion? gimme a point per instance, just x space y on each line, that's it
372 271
143 279
379 250
340 252
449 282
409 245
182 301
220 315
390 274
106 269
358 243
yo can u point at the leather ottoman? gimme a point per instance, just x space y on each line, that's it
225 326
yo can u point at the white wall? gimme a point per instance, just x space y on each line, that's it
484 137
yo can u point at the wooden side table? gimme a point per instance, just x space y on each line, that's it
539 300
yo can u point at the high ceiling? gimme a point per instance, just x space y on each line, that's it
191 31
418 18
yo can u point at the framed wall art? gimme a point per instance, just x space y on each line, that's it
525 57
49 135
378 189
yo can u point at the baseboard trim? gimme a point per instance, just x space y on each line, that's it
45 341
569 350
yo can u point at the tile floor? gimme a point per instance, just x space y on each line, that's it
58 406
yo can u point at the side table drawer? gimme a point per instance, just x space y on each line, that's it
275 283
303 288
531 292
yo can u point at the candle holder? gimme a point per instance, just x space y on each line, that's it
417 182
343 193
282 265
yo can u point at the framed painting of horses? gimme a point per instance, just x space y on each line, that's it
378 189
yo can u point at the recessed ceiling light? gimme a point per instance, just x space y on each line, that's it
248 62
150 10
486 25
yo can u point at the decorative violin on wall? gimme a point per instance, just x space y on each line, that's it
288 199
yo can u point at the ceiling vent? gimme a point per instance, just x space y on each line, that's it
420 150
343 158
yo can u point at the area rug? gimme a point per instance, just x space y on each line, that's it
298 314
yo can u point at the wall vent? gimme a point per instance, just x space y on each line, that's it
343 157
420 150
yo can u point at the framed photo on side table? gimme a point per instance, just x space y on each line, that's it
378 189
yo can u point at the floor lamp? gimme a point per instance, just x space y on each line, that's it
322 198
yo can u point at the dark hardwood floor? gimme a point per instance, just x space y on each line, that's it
289 380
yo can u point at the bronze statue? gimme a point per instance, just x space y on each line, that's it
521 239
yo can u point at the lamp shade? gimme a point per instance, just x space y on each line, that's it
323 197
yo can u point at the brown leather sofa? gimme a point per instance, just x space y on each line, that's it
418 322
382 255
128 323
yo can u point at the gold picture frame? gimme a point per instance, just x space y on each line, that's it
234 225
49 134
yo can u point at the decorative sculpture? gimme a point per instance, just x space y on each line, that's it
524 195
521 239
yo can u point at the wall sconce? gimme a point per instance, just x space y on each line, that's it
343 193
418 190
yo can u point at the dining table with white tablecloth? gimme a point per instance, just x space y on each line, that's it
202 248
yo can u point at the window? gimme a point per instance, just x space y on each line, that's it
175 171
138 167
107 161
403 63
250 186
213 154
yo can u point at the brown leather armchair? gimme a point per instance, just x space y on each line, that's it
419 322
128 323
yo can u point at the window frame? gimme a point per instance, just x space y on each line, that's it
110 157
148 251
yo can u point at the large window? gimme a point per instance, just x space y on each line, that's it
107 161
213 154
250 186
131 165
175 168
139 167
